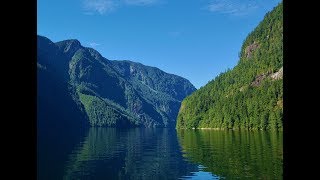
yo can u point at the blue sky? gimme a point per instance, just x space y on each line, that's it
195 39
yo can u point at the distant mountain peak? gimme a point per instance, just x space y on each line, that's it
109 93
95 53
70 46
43 38
72 42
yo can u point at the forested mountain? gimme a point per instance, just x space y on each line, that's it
78 84
249 96
55 102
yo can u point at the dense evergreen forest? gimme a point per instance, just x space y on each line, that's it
249 96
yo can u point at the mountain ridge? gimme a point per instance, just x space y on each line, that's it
114 93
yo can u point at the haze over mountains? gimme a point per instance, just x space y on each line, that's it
79 87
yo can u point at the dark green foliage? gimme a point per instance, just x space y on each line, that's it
235 154
110 93
248 96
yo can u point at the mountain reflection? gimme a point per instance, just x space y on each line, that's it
235 154
108 153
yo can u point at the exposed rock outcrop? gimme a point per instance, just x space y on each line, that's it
274 76
277 75
258 80
249 49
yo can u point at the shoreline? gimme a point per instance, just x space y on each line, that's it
224 129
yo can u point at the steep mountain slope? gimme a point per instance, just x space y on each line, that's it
250 96
55 101
113 93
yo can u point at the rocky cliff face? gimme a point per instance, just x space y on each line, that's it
278 75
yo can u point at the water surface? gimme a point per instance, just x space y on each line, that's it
235 154
139 153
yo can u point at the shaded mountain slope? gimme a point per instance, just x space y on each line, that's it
111 93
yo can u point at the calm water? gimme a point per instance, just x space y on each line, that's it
107 153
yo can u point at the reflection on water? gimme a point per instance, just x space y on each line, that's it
54 144
235 154
108 153
139 153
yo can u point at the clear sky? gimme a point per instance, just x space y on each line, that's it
195 39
